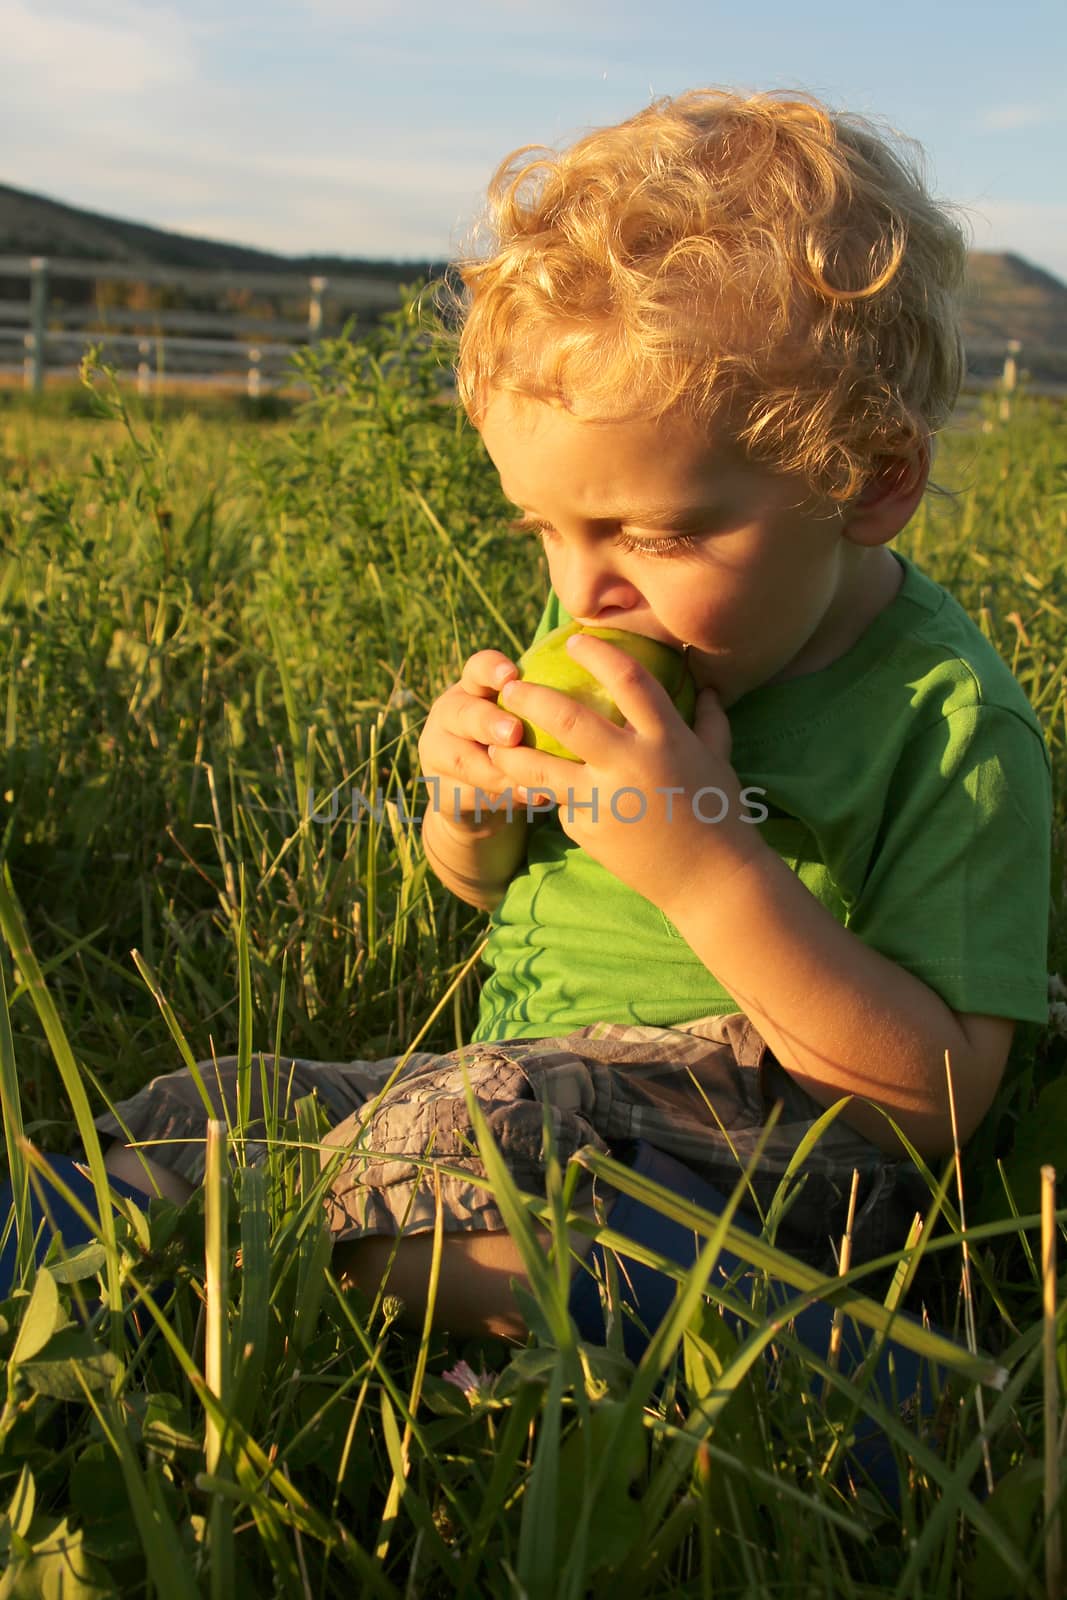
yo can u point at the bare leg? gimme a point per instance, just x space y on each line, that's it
122 1162
473 1293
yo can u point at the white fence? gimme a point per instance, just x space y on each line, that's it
43 335
171 346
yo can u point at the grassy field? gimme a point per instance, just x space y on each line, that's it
207 617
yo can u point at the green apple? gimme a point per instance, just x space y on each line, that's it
549 662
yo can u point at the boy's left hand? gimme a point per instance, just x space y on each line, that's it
647 836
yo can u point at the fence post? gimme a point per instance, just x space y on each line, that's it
318 289
253 384
144 371
33 367
1009 378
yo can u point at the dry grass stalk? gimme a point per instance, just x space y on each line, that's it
833 1354
1053 1537
968 1292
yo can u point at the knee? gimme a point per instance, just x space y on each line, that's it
130 1165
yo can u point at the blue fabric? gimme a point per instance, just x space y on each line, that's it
898 1376
67 1222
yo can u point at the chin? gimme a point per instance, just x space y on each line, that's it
711 674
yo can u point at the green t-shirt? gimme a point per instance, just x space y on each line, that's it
908 786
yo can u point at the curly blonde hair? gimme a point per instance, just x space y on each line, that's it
759 262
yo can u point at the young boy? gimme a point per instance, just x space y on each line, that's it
708 351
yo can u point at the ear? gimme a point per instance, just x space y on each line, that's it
888 500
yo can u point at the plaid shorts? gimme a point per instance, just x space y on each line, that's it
702 1092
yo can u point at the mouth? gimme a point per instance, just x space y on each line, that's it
623 625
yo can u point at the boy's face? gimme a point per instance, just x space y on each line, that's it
766 583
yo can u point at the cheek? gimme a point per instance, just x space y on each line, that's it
714 603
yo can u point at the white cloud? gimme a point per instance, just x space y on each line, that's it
1009 117
428 174
469 16
110 47
413 177
308 229
272 197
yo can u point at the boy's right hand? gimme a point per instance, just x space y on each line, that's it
462 723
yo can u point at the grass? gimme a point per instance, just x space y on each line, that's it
209 616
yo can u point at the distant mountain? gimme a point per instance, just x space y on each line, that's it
33 225
1006 297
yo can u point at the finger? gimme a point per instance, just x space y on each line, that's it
459 714
641 698
467 765
530 771
483 721
485 673
578 728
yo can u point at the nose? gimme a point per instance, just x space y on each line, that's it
589 583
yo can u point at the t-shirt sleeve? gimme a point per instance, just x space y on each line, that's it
551 617
957 890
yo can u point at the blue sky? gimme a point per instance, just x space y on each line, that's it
371 128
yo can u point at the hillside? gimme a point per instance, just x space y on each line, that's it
32 224
1007 297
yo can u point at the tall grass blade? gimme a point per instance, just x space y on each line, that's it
256 1472
174 1029
250 1344
536 1560
1051 1375
216 1351
164 1555
14 930
14 1133
313 1250
505 1481
795 1169
536 1563
811 1286
543 1282
399 1457
833 1355
968 1290
469 573
957 1500
244 1022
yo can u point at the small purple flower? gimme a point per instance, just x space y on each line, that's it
472 1383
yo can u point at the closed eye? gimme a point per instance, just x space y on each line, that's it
645 547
